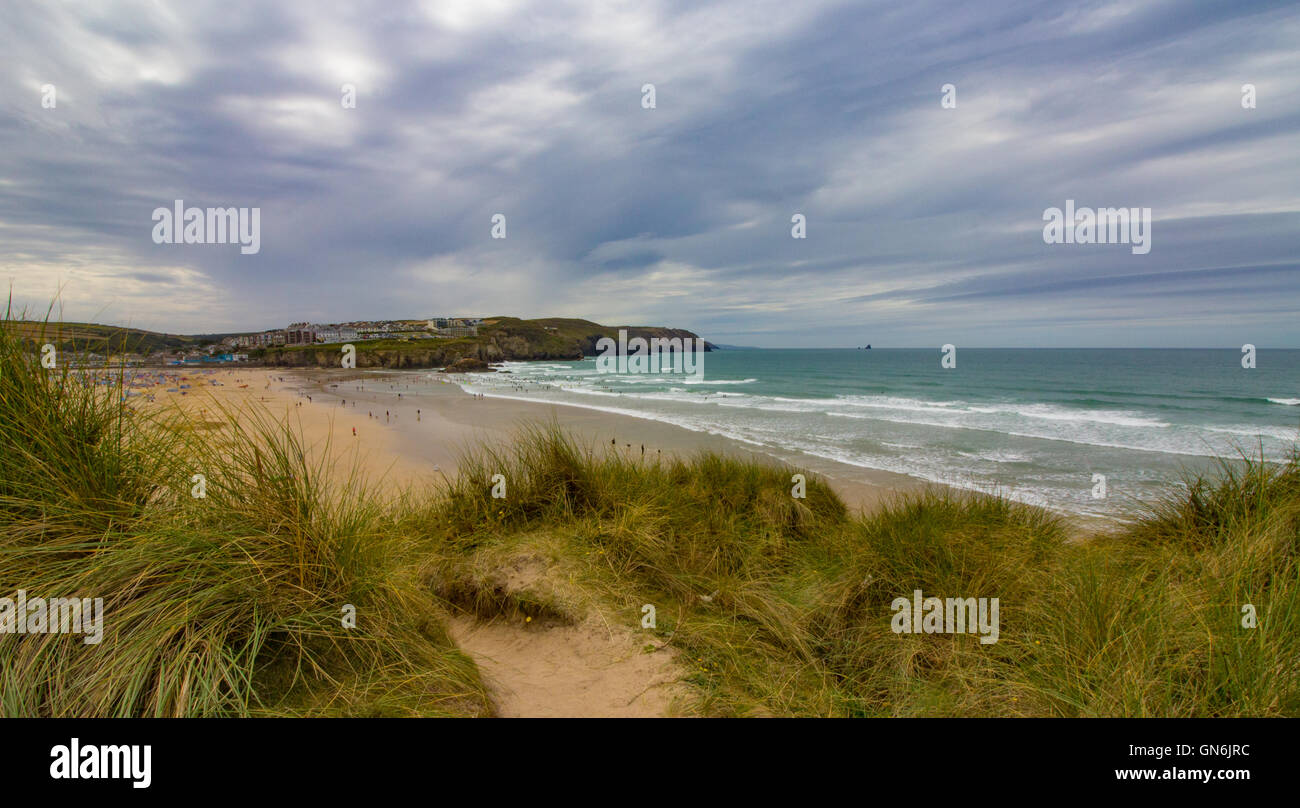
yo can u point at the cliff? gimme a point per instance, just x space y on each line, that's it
499 339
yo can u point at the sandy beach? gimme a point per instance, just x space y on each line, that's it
403 436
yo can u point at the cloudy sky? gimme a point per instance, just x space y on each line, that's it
924 223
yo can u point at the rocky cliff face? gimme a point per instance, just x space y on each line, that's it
499 339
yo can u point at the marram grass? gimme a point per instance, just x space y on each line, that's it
229 604
781 606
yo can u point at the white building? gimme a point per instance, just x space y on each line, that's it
331 334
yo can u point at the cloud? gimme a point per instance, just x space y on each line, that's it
924 223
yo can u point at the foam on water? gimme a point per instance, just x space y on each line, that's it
1034 425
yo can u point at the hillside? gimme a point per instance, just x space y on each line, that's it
101 339
105 339
499 338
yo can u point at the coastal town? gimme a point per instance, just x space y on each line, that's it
314 334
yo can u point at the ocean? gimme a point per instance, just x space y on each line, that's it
1034 425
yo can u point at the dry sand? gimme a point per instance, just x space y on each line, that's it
324 422
584 671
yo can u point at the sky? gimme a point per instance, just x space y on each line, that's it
923 208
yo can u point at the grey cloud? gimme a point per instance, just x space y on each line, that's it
922 221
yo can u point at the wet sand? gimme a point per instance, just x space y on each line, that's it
399 446
449 421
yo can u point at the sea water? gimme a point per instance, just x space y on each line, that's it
1036 425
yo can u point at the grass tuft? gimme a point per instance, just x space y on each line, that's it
229 604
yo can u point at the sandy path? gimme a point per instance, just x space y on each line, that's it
538 669
585 671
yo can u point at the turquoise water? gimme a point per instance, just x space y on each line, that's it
1033 424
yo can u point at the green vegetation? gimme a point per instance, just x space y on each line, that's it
104 339
781 606
232 604
559 336
499 338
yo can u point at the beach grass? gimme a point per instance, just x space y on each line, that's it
228 604
234 603
782 606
